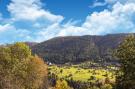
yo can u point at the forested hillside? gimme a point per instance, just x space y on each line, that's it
75 49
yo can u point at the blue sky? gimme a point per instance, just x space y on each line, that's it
72 9
40 20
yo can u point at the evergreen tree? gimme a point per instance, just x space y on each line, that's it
126 55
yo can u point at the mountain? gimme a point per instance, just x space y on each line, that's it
75 49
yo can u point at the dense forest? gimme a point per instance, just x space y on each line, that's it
76 49
21 69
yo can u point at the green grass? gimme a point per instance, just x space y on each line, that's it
85 75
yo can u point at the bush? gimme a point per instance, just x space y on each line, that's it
62 84
106 86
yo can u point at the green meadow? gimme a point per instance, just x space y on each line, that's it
82 74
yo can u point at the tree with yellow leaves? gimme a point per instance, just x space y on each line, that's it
19 69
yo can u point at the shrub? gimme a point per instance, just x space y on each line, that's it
62 84
106 86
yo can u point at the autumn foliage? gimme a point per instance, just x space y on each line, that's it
19 69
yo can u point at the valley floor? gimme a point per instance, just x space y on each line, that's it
77 73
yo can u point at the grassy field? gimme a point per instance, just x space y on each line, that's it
81 74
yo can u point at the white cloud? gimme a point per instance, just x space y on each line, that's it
5 27
121 1
31 10
98 4
8 33
120 19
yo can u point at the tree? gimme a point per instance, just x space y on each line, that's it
126 54
19 69
32 73
20 51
